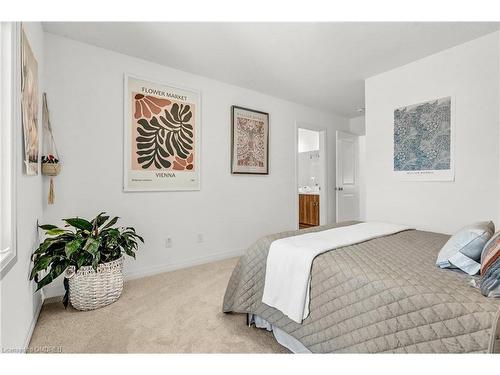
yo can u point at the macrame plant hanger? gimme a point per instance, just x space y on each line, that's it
51 165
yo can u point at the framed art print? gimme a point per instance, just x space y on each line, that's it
249 141
29 105
162 137
423 141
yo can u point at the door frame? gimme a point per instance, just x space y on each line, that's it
323 154
337 170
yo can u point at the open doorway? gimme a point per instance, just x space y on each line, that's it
311 176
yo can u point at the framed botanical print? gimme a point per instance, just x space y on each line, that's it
249 141
162 137
29 105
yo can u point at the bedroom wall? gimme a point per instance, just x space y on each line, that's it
357 125
470 74
85 94
18 315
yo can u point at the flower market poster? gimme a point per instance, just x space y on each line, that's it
162 137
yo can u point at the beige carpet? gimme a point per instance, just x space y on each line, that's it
174 312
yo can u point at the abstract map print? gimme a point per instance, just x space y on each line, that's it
164 134
250 142
422 136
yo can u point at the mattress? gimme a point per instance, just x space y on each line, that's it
382 295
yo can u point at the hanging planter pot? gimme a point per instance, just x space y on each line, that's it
51 164
50 168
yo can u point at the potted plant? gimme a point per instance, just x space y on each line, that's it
50 165
91 255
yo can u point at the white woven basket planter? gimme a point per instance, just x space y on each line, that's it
90 289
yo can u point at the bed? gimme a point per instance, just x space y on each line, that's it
382 295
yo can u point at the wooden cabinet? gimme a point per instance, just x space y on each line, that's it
308 210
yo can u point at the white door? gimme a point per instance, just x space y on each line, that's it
347 185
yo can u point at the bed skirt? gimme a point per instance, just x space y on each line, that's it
283 338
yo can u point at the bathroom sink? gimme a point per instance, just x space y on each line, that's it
308 189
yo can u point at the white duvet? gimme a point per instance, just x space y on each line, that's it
289 262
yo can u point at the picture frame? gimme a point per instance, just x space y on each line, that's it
430 160
153 112
249 141
29 106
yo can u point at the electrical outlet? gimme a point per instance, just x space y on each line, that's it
168 242
199 238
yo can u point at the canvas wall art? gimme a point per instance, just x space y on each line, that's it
423 141
162 137
250 141
29 106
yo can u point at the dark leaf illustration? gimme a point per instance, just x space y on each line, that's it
169 137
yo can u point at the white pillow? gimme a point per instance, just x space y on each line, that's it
463 249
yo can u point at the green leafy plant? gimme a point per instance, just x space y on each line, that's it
160 139
81 243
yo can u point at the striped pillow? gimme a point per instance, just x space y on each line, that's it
490 253
490 268
490 280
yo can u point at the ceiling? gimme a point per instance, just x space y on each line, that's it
322 65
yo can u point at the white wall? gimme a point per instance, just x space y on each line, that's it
308 140
470 74
357 125
309 166
19 304
85 94
309 157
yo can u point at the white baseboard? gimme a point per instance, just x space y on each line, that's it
33 323
156 269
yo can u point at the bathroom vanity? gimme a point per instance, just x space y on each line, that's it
308 210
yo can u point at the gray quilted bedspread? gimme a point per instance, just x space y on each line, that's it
382 295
